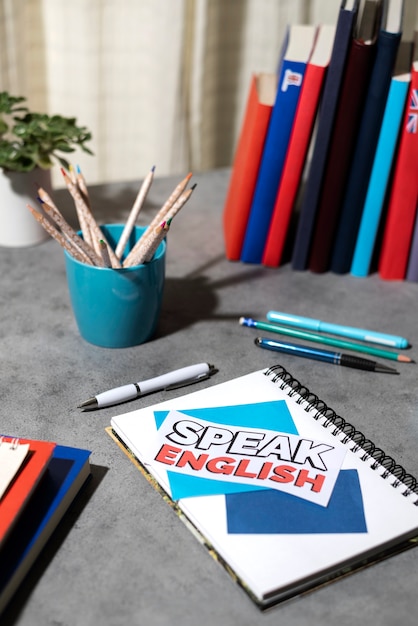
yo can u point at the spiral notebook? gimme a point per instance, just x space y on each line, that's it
284 492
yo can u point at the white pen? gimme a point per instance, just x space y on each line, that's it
177 378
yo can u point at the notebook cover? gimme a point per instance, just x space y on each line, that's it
271 483
19 491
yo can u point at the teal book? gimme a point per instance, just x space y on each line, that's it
67 471
367 138
300 43
382 166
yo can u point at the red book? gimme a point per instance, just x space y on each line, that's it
403 198
247 161
298 145
24 483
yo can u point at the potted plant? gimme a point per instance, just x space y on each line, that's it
30 144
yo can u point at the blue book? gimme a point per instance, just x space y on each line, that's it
382 166
292 70
67 470
367 139
328 108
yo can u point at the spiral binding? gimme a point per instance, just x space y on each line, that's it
345 431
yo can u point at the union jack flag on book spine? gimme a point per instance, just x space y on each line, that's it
412 120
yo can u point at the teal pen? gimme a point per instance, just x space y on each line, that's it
336 329
331 341
336 358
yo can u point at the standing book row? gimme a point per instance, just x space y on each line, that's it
326 163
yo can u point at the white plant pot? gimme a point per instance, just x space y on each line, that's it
18 227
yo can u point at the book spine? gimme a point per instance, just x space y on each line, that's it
379 178
412 271
362 163
244 172
348 115
404 194
343 35
273 158
293 168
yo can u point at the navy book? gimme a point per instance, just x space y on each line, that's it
344 33
350 107
367 139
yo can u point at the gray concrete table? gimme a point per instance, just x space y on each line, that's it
121 556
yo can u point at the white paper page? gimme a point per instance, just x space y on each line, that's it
12 455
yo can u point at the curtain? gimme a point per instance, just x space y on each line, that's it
158 82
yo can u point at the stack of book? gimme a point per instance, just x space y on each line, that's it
326 169
38 482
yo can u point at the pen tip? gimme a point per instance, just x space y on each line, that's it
384 369
91 403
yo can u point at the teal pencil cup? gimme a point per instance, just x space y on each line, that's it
117 308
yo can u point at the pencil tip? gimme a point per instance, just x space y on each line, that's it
153 168
78 170
404 359
193 186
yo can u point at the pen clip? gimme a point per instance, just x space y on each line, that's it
185 383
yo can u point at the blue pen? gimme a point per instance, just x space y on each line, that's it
336 329
336 358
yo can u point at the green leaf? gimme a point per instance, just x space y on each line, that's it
36 138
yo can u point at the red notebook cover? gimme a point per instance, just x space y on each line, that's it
403 198
298 146
247 161
24 483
